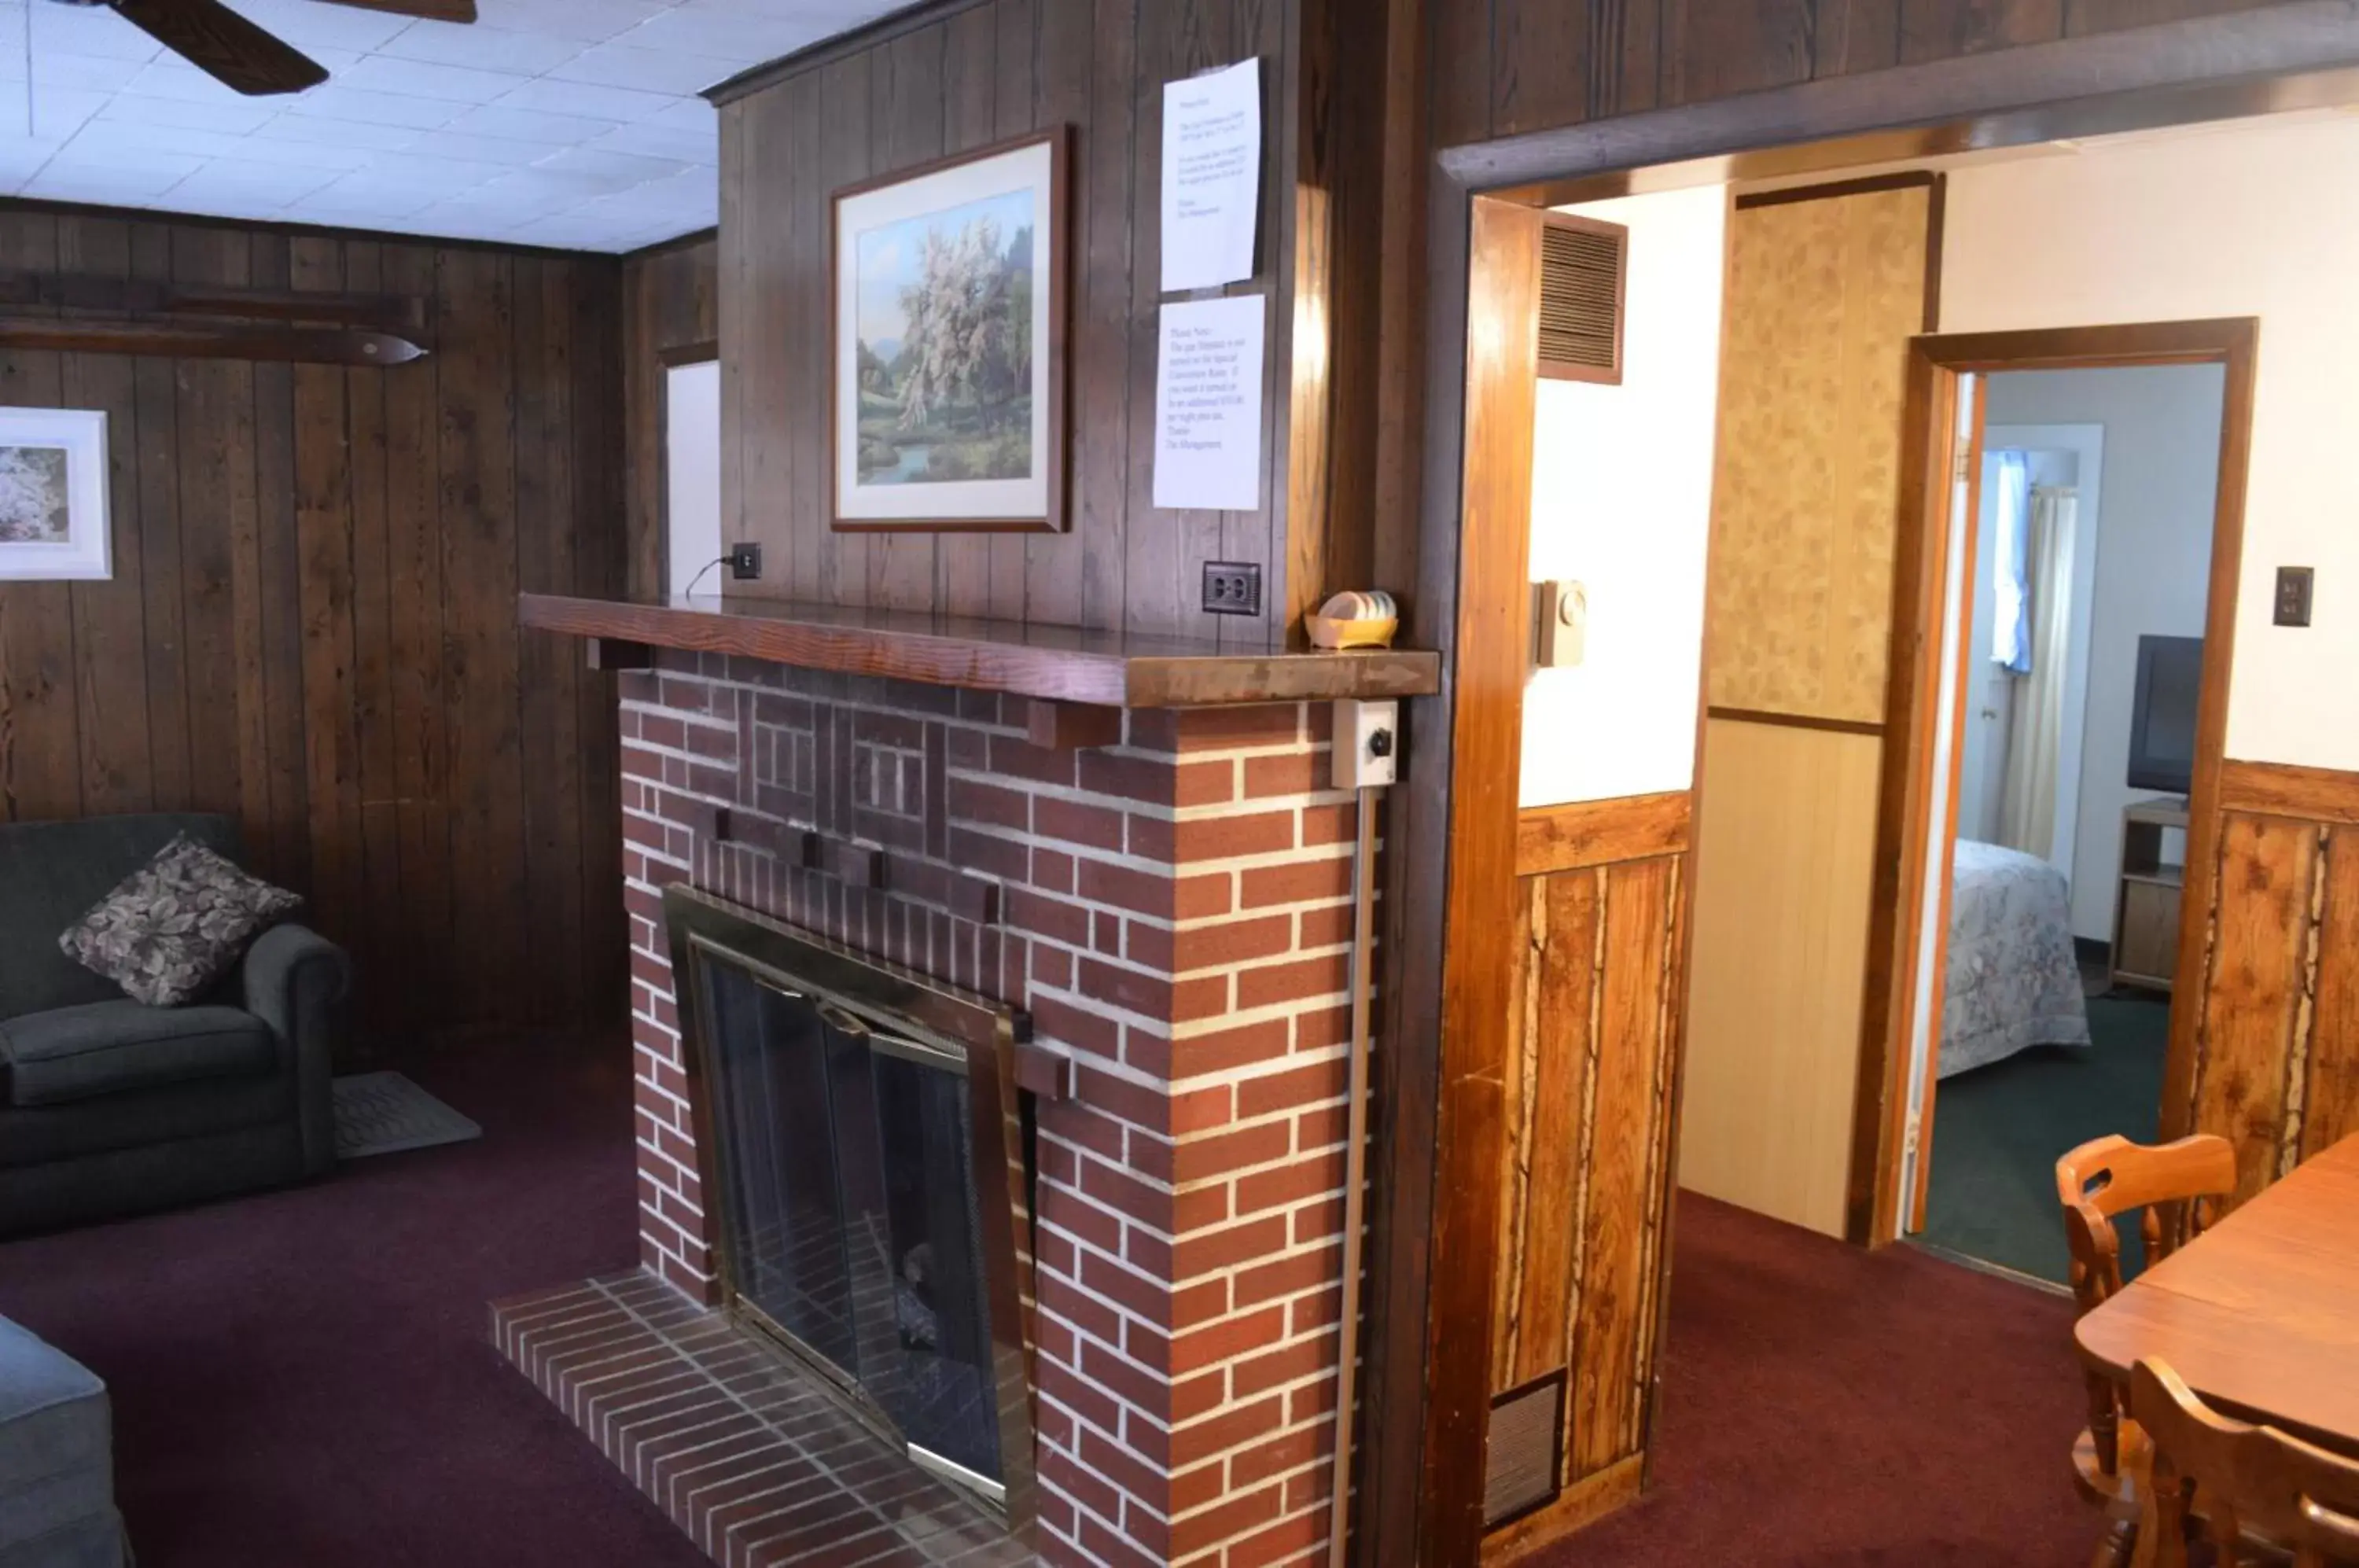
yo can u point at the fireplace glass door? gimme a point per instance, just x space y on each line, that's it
850 1222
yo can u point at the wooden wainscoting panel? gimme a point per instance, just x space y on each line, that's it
1822 295
1781 951
1596 832
2286 789
2254 1004
2331 1104
1593 1054
2277 1043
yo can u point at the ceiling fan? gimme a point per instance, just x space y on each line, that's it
241 55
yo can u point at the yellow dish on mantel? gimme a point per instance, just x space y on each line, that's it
1333 631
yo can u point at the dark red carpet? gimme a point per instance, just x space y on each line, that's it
1824 1405
302 1378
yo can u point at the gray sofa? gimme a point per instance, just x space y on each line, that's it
57 1461
109 1108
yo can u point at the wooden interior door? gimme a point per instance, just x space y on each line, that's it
1825 287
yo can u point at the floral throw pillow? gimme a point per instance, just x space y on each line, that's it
175 926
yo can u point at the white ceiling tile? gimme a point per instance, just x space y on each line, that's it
305 155
111 140
21 158
481 48
529 126
335 102
58 68
300 127
611 103
58 112
223 180
736 37
152 176
655 71
652 140
590 21
611 170
418 79
182 114
501 150
690 114
575 119
86 29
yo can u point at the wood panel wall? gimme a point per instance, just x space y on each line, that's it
967 74
1503 67
1591 1073
1823 292
311 621
670 303
2276 1061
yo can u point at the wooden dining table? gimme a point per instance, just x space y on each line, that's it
2260 1314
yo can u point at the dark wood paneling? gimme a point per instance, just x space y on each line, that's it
311 623
931 83
670 301
1504 67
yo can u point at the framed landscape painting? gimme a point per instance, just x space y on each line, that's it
53 522
948 407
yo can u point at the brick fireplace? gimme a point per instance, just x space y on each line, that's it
1172 911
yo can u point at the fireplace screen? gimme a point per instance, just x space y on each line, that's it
858 1144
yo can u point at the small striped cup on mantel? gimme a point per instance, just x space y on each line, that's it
1362 619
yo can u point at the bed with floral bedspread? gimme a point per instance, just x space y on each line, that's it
2013 981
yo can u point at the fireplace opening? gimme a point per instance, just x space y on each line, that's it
862 1146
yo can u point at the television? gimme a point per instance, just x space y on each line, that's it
2162 714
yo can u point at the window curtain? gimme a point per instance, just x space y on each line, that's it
2036 740
2011 565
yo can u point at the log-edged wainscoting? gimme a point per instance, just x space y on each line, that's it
2270 1061
1602 898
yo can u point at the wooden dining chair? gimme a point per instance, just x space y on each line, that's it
2175 1188
2244 1483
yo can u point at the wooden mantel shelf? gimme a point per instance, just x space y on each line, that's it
1117 670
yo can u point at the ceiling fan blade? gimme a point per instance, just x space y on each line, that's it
431 10
224 45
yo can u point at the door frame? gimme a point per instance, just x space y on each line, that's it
1931 452
1434 1218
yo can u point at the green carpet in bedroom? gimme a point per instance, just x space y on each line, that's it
1998 1129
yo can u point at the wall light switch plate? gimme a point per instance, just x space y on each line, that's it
1560 618
2294 583
1367 743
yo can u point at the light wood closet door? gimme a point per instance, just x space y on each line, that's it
1823 293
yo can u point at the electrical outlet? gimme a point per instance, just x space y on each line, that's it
744 561
2293 596
1232 588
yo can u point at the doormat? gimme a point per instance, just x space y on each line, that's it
385 1113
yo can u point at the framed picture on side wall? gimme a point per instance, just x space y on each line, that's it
53 522
947 406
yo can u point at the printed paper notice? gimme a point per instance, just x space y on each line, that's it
1211 177
1208 406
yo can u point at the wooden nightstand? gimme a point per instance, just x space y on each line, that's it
2146 904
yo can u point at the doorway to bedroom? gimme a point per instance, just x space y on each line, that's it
2081 568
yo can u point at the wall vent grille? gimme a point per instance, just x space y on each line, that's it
1584 268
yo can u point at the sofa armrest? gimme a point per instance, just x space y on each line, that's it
293 979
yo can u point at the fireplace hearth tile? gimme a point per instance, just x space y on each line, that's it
743 1452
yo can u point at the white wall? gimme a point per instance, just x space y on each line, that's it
1622 503
2154 567
2253 219
692 474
